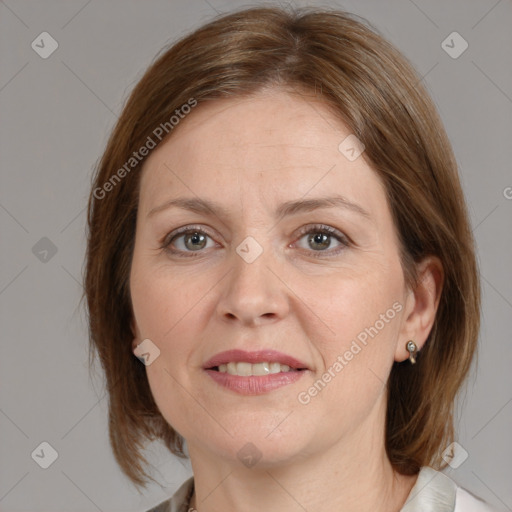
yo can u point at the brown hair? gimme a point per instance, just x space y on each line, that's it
378 95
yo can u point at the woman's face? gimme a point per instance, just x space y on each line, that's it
260 231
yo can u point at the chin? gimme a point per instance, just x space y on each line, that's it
258 446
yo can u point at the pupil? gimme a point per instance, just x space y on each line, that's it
195 239
321 240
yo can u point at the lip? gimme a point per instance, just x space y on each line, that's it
255 384
258 356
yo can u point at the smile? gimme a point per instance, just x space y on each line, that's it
254 373
245 369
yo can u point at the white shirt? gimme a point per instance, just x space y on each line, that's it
436 492
432 492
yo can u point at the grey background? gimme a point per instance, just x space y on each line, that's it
56 114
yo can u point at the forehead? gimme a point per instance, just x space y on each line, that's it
273 144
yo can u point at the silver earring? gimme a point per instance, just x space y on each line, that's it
412 349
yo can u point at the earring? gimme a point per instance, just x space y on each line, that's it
412 349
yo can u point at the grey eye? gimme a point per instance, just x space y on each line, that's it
191 241
319 241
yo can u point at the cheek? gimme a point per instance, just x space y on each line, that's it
357 351
350 304
171 308
167 301
166 309
356 360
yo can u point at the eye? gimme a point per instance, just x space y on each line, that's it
192 240
320 238
188 239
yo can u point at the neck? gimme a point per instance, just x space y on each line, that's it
354 475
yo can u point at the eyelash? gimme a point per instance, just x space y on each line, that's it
316 228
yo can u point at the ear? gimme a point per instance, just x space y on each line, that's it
421 306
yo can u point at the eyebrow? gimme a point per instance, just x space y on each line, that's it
288 208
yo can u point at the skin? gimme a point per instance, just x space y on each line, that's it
251 155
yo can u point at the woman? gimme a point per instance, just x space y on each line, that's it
278 233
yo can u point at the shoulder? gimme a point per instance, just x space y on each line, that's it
435 491
179 502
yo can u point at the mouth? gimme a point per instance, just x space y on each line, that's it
246 369
254 372
261 362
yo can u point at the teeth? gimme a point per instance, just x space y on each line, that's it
260 369
244 369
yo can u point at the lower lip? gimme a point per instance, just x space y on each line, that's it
256 384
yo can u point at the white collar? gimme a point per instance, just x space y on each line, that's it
432 492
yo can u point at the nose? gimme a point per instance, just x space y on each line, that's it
253 294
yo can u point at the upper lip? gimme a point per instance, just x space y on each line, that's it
258 356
